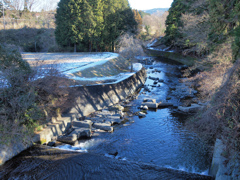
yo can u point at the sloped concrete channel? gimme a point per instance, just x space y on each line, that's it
42 162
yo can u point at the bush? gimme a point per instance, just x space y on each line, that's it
18 110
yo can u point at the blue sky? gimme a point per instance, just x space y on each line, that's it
149 4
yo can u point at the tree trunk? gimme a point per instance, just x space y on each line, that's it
90 46
75 47
35 46
112 46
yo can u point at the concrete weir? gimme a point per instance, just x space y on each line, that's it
87 100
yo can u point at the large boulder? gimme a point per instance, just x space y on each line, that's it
115 119
75 135
191 109
103 126
82 124
141 114
150 105
164 104
149 100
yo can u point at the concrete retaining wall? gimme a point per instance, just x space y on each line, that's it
223 168
87 100
187 60
92 98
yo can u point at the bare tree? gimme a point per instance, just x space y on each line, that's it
31 4
16 4
49 5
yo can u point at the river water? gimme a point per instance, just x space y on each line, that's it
159 139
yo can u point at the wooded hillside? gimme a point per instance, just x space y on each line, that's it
210 31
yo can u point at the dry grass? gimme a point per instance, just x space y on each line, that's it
214 68
11 23
220 85
221 118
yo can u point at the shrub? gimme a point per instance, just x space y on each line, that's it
26 99
18 109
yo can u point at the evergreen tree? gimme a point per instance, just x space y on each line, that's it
173 21
92 24
88 23
97 8
118 18
1 9
68 19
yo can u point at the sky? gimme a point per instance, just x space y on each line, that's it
149 4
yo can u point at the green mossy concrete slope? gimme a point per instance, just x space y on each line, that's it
186 60
111 68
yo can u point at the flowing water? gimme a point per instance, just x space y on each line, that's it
159 139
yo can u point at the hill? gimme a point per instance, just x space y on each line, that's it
156 10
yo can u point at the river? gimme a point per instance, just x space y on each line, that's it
160 139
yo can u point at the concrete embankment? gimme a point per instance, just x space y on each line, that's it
87 100
177 57
224 168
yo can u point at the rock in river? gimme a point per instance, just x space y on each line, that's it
75 135
141 114
145 107
82 124
149 100
150 105
191 109
164 104
103 126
